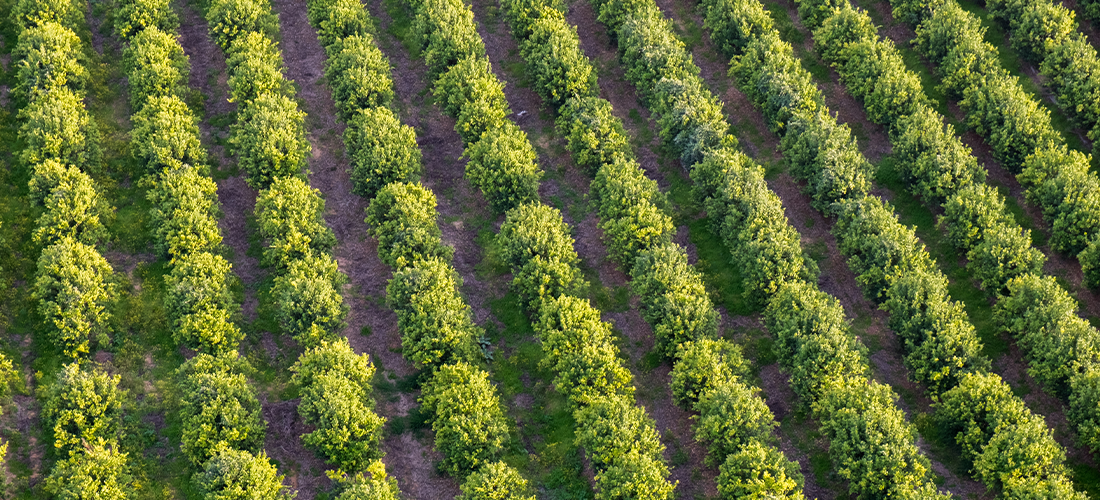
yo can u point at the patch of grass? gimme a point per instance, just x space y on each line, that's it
912 212
543 445
401 26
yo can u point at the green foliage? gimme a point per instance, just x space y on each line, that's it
73 293
1059 181
291 218
701 366
233 19
240 475
374 485
652 51
932 158
758 471
73 209
256 69
775 81
940 341
269 139
436 324
27 14
827 156
156 66
691 118
594 134
199 302
1036 26
732 23
1043 317
471 93
348 433
166 135
184 213
135 16
218 409
1090 263
731 415
631 211
343 19
535 242
1013 124
56 126
469 424
611 427
879 248
580 351
998 433
446 32
871 443
382 150
1070 68
83 408
310 307
1004 253
1084 406
49 57
403 218
970 211
359 75
502 165
674 299
813 338
555 62
749 217
96 472
635 476
870 68
495 481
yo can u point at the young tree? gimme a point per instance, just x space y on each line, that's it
239 475
382 150
495 481
403 218
219 409
436 324
255 69
73 293
155 65
359 75
83 407
135 16
469 424
502 165
49 57
269 139
166 135
96 472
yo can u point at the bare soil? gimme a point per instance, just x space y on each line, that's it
1012 366
685 455
836 278
411 461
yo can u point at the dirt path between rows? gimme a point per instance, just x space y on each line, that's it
836 278
372 326
1012 366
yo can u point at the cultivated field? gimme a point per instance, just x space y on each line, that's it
553 249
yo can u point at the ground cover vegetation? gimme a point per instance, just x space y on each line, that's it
1055 177
872 444
1011 449
269 142
707 371
222 427
81 407
438 334
1034 308
535 243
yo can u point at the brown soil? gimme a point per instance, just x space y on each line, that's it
684 454
836 279
1012 366
208 78
411 460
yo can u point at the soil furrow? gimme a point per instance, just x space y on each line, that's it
869 323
